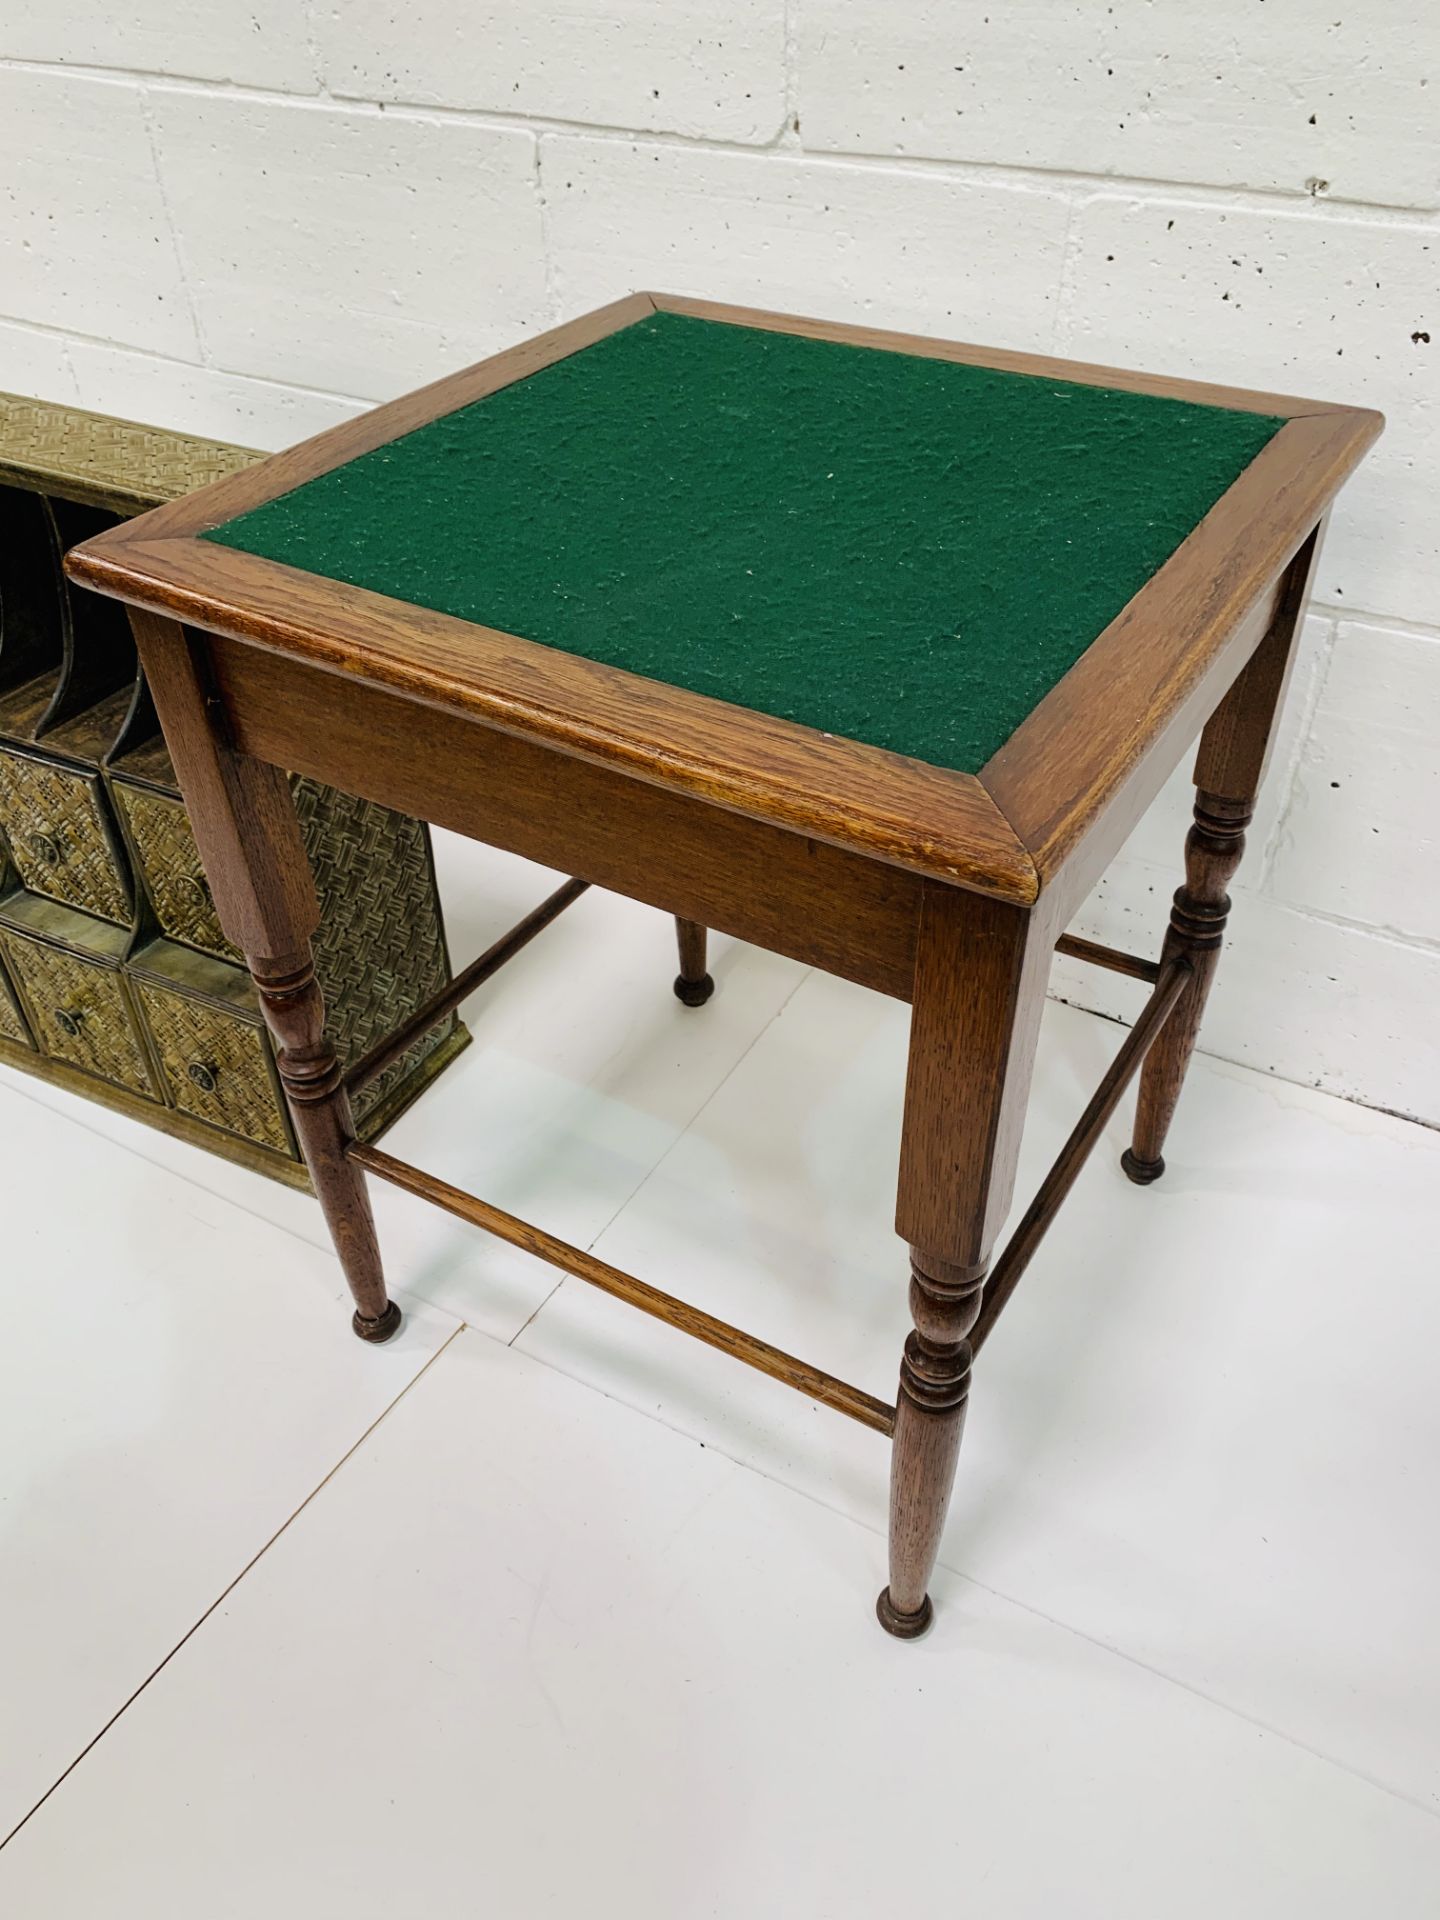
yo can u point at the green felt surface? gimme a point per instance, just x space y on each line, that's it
905 551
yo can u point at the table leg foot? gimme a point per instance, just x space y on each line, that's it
1142 1172
904 1626
693 993
384 1327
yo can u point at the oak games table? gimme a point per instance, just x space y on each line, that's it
866 648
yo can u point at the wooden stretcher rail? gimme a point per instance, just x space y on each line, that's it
1021 1246
810 1381
1110 958
462 986
1169 983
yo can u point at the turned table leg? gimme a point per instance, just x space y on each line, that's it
1213 848
929 1425
249 840
693 984
310 1074
980 972
1234 750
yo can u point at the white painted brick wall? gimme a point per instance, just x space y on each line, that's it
703 68
1368 777
1312 301
395 245
894 247
85 244
200 399
34 361
265 43
1231 93
250 222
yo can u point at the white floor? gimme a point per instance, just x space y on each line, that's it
543 1609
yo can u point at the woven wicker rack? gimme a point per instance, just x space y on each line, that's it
115 978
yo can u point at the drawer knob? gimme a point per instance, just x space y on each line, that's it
69 1020
203 1075
193 891
45 850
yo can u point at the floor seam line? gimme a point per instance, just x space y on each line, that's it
530 1316
649 1174
226 1591
1199 1693
877 1530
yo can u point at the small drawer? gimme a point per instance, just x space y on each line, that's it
217 1066
169 861
12 1021
58 825
79 1012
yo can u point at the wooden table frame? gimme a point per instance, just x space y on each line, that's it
950 890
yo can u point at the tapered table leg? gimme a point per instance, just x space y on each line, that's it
1234 751
980 972
929 1426
1201 908
249 840
693 984
310 1074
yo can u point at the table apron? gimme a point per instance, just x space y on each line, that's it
763 883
